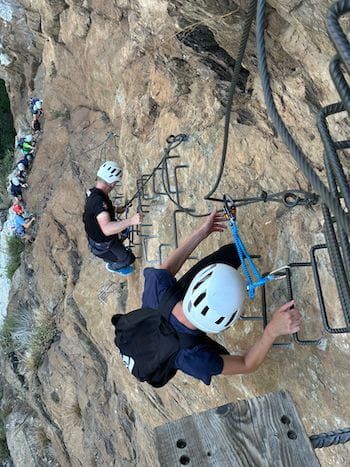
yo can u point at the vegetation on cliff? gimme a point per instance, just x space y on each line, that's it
7 132
7 135
15 247
4 452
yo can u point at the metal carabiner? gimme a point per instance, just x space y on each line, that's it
229 208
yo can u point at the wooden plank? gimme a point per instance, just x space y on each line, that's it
262 432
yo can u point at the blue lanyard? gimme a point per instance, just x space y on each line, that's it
245 258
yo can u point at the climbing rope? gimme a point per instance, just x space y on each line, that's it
332 438
246 260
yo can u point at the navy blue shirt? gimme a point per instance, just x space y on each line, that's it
200 361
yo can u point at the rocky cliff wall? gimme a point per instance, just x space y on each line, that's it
142 70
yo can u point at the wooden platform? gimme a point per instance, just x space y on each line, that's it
262 432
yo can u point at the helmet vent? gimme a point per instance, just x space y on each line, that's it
205 310
220 320
231 319
202 281
199 299
197 285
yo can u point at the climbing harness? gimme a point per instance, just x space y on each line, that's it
246 260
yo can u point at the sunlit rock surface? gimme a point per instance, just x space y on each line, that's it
143 70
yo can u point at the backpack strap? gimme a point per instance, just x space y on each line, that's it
187 341
169 300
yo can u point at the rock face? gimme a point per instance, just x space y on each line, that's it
117 77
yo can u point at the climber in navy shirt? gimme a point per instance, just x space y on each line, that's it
213 294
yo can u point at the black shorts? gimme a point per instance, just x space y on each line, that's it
113 252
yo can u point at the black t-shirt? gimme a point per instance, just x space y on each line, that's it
96 202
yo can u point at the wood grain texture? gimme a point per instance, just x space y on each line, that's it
245 434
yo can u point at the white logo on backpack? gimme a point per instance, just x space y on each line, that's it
129 362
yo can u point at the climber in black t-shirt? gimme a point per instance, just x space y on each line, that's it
101 226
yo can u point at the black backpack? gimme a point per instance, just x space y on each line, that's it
149 344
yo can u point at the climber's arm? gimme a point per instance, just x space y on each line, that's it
286 320
214 223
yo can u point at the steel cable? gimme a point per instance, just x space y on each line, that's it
340 81
110 135
332 438
344 240
337 263
237 68
330 149
336 34
341 216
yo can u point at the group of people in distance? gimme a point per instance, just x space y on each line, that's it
168 332
18 179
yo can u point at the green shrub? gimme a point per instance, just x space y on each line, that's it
28 334
15 247
4 452
7 131
6 163
7 138
43 334
8 327
17 330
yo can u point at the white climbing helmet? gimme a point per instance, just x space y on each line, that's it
214 299
110 172
15 181
21 167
